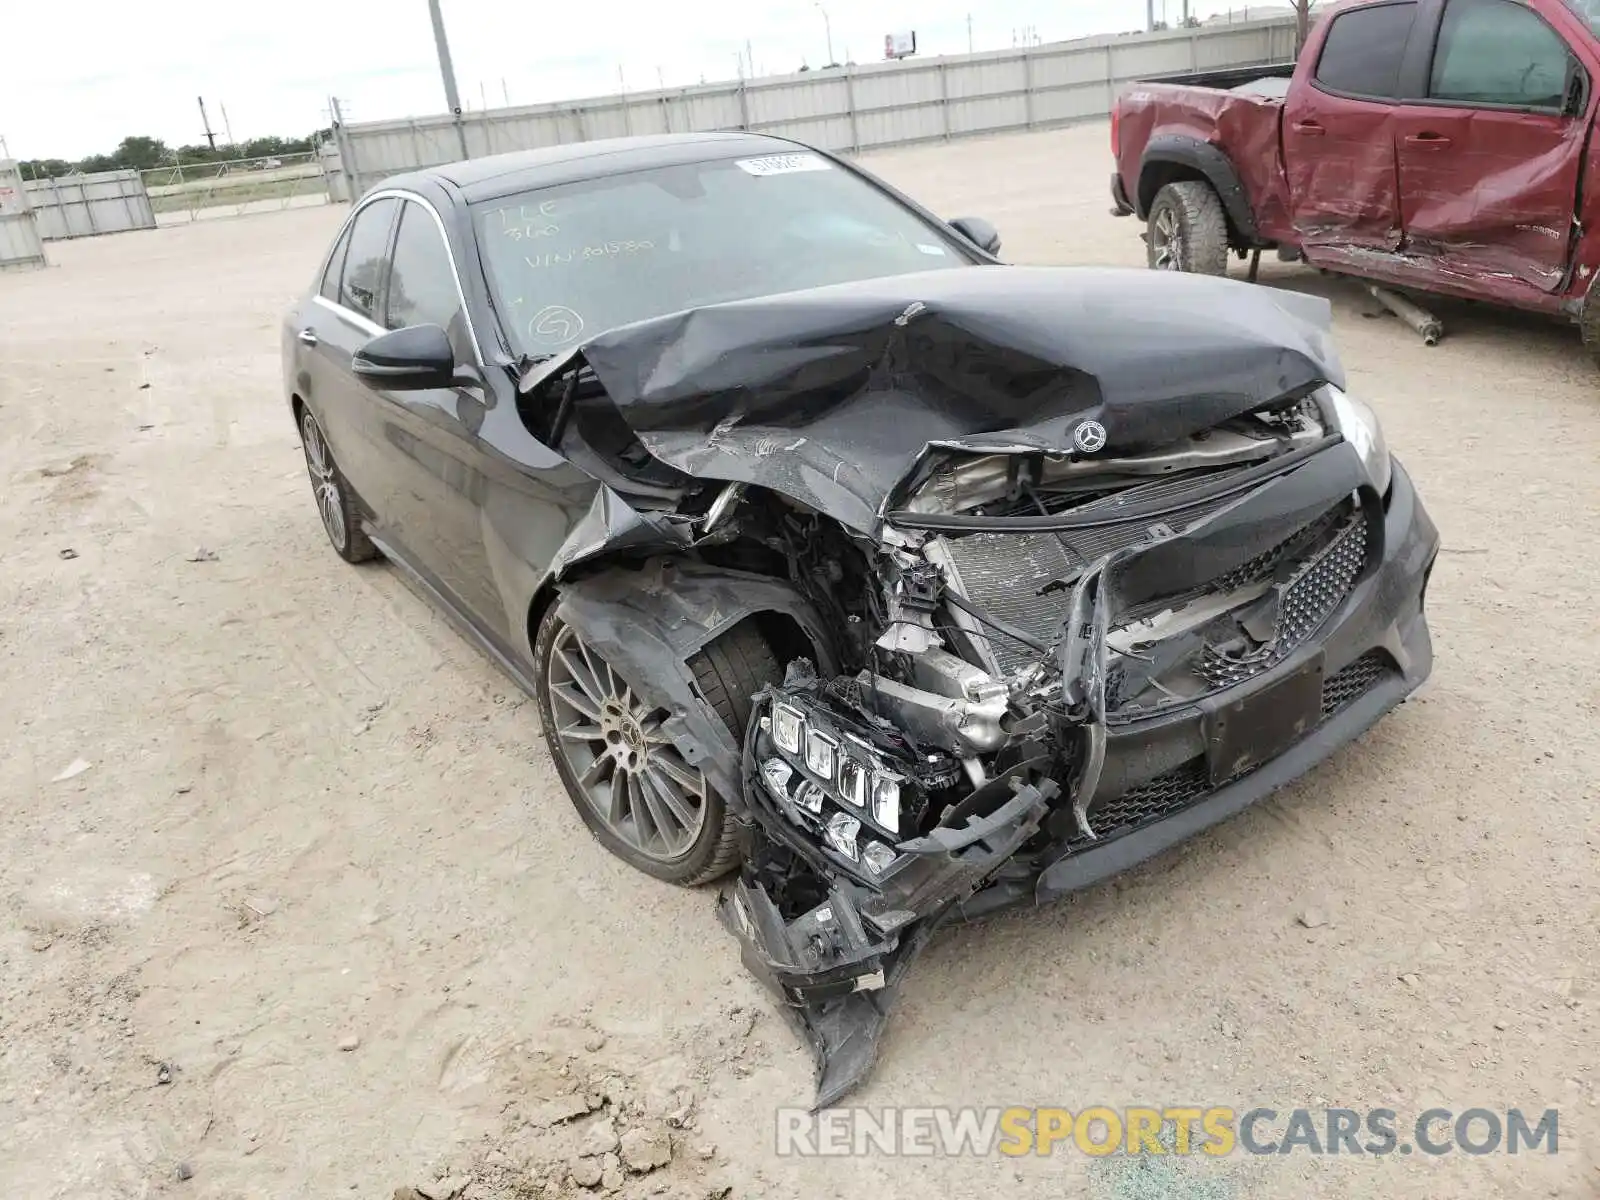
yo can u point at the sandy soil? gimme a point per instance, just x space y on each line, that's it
313 818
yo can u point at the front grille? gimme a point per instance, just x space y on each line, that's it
1153 799
1005 574
1306 600
1190 782
1348 684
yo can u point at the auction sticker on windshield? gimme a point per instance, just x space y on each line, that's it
782 164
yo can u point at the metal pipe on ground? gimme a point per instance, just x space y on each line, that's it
1429 328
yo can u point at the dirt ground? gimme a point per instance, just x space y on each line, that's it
313 818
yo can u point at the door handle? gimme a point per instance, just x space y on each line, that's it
307 336
1309 128
1427 141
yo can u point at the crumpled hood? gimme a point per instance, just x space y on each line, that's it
832 395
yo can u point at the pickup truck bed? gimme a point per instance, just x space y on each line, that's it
1224 124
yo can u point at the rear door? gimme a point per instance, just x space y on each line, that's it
338 321
1338 132
1490 159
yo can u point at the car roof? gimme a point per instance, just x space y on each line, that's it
478 179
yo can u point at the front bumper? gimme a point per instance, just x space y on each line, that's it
1375 651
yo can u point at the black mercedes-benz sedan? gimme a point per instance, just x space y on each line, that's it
910 584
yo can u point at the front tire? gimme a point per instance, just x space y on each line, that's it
635 792
1187 230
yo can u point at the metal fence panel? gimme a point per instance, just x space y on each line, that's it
21 247
872 105
85 205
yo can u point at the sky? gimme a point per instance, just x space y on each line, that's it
73 86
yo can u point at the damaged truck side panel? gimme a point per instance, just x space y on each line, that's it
1440 145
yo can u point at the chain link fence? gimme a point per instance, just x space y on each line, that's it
196 191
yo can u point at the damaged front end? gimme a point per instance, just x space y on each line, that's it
1083 597
1061 635
835 899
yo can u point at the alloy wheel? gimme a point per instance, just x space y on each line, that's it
624 766
1166 241
324 481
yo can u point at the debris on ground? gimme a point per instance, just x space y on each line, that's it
1313 918
200 555
72 770
183 1171
443 1189
163 1073
601 1139
560 1110
646 1148
68 552
349 1042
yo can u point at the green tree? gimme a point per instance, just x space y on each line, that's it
141 152
44 168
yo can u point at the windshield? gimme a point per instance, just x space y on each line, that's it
570 261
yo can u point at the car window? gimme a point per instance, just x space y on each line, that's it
1501 53
572 260
1362 54
422 286
363 262
330 275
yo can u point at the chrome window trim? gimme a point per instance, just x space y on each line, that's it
366 324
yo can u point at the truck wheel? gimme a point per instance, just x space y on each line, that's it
1188 230
630 785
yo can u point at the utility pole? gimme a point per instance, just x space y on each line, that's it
1149 16
447 72
226 128
827 28
1186 14
969 30
211 138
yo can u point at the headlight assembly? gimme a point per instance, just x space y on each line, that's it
1361 429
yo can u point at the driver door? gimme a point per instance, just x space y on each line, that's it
431 436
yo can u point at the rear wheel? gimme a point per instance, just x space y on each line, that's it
633 789
336 503
1188 230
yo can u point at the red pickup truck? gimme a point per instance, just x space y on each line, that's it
1438 145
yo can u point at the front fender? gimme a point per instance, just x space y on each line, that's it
648 623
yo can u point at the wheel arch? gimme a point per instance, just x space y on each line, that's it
1176 158
648 620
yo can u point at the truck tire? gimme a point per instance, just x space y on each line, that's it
598 730
1188 231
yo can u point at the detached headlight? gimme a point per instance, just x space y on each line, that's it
1361 429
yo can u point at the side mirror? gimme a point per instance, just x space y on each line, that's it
979 232
412 359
